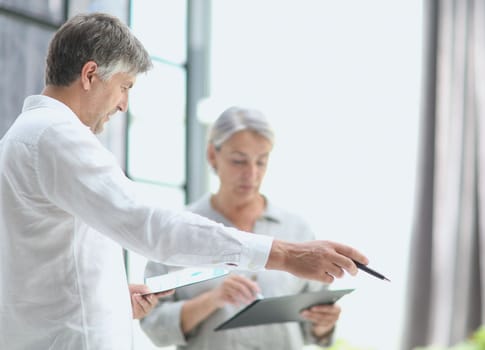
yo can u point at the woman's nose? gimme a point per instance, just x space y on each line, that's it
252 171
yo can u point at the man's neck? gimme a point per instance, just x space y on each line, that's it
65 94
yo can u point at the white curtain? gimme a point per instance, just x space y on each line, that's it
447 274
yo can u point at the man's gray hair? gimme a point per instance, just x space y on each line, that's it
97 37
235 119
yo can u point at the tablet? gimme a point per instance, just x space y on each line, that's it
183 277
281 309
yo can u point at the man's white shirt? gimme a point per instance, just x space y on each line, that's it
66 209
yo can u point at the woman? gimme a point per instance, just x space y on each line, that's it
239 146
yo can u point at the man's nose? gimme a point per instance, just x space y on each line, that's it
123 105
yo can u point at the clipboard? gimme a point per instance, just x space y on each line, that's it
281 309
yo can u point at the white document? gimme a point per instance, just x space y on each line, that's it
182 278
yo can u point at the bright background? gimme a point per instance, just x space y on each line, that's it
340 82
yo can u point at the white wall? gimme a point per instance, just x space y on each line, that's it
340 82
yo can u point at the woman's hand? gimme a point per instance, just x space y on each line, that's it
323 318
235 289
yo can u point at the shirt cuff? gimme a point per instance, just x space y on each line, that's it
254 252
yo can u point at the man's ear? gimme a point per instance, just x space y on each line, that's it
87 73
211 156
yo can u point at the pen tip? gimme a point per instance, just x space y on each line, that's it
387 279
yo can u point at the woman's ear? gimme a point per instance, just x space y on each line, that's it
211 156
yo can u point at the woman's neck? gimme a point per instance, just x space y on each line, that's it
243 214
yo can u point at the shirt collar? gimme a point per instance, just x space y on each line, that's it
43 101
271 212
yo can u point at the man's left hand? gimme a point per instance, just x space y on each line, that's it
142 305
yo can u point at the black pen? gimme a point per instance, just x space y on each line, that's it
370 271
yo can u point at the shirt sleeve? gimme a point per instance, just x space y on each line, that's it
162 324
80 177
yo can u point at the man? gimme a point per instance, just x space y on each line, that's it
66 207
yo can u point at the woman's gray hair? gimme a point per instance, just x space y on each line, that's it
236 119
97 37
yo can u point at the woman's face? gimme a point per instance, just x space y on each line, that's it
241 163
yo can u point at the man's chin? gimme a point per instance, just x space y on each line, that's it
98 129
